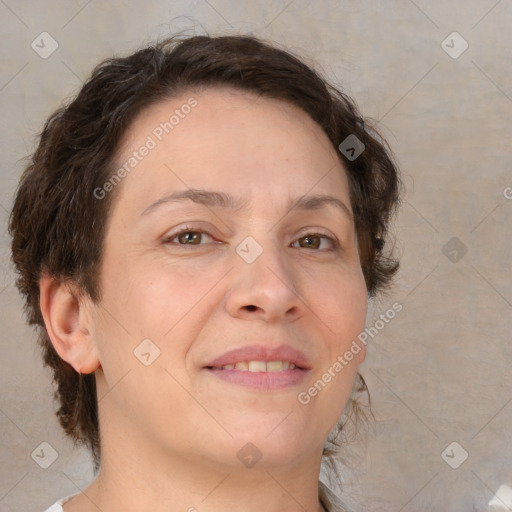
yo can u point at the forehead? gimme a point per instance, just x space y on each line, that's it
227 139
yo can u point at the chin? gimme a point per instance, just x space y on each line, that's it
280 445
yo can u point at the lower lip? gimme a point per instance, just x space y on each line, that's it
262 381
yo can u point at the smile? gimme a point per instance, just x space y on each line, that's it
258 366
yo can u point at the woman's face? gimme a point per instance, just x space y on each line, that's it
251 279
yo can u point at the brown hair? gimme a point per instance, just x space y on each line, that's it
57 223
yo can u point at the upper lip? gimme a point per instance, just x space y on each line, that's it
261 353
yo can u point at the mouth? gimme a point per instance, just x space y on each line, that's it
258 366
261 367
261 358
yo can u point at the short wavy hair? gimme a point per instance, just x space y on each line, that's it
57 224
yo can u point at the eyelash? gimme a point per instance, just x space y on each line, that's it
187 229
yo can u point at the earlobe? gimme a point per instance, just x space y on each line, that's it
68 324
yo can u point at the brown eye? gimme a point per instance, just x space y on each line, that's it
187 236
314 241
193 237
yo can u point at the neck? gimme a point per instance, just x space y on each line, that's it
182 485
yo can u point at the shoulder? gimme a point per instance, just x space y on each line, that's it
57 506
329 500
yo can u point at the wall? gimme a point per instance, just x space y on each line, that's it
440 371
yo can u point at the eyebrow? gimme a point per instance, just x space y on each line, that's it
226 201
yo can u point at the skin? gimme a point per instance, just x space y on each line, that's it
171 431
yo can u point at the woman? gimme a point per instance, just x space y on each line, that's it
197 237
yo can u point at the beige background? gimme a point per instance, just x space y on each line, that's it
441 370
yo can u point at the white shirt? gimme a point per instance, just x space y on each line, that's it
329 500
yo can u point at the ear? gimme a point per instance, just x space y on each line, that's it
69 324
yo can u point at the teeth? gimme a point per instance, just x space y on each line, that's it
257 366
274 366
260 366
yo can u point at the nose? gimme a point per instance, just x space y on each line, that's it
265 289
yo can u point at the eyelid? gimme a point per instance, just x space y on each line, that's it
318 231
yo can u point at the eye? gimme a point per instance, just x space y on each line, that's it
187 236
313 241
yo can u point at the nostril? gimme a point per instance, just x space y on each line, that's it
251 308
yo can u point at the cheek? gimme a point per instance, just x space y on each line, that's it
341 304
167 306
167 303
341 307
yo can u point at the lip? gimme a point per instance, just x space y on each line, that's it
262 353
262 381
